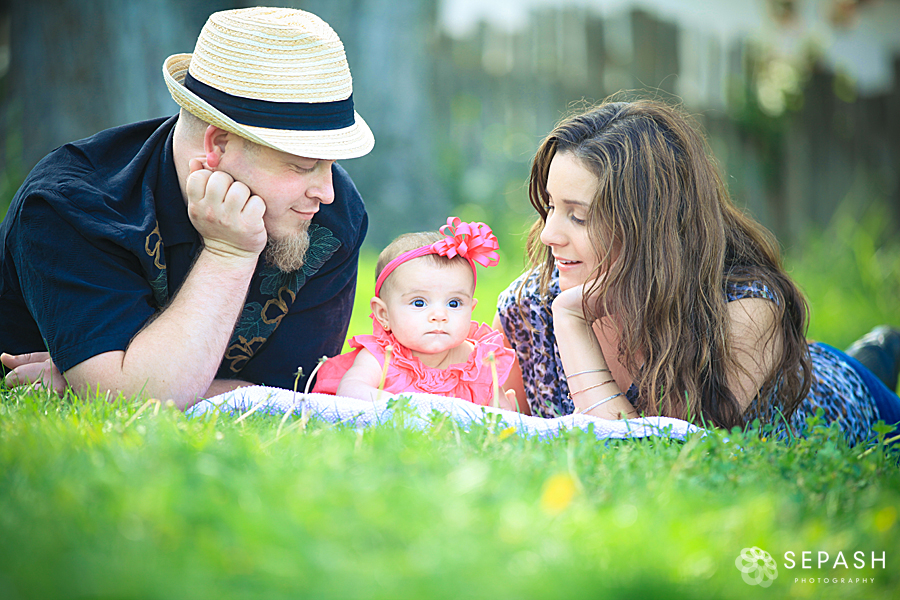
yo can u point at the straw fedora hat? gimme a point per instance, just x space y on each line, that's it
275 76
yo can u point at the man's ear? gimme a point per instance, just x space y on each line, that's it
380 312
214 142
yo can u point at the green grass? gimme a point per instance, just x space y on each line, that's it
111 501
97 504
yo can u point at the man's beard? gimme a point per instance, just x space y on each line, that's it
287 254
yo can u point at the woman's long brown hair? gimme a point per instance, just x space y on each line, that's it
661 199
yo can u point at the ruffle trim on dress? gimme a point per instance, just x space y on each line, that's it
471 380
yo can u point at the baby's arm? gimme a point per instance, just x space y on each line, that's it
362 378
513 388
507 399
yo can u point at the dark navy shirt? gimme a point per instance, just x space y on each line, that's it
97 241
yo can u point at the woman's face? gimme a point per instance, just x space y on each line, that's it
570 190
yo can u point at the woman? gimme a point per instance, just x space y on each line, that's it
652 294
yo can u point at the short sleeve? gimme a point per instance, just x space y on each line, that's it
527 322
752 289
86 296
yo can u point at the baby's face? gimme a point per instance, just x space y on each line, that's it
429 308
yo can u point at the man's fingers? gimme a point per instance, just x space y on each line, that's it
22 376
8 360
38 375
226 214
26 373
236 197
11 361
254 209
11 379
196 184
218 193
218 187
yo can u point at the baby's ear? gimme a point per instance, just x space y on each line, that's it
474 302
380 312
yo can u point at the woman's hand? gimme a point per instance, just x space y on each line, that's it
35 369
570 303
593 384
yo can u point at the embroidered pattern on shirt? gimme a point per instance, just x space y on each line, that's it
159 283
259 320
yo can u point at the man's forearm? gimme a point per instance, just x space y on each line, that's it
220 386
177 355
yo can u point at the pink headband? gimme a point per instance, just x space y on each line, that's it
473 241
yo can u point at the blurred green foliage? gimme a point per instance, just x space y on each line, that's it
850 273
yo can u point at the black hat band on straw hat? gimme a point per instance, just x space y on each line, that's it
296 116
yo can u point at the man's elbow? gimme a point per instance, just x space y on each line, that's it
102 377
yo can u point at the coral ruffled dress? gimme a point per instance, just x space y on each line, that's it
470 381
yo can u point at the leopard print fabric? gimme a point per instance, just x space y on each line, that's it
528 324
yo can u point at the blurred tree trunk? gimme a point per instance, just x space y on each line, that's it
389 47
77 67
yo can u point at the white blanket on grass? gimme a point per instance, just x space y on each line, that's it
420 408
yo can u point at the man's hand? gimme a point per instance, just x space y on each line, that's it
225 213
36 369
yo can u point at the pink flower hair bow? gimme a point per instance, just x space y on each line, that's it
473 241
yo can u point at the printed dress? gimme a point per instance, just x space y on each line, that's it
528 323
471 380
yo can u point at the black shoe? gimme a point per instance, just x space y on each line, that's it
879 351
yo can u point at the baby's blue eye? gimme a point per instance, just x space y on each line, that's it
455 304
419 303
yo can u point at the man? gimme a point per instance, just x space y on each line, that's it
179 258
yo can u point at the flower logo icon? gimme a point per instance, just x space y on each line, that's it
757 566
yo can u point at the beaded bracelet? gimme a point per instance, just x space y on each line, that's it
588 371
590 387
595 405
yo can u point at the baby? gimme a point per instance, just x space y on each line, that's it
422 324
